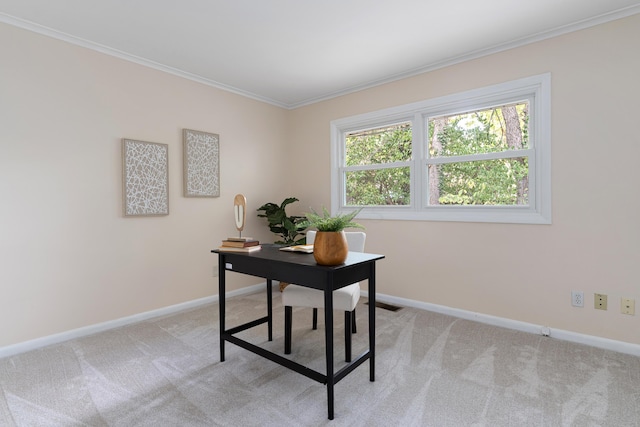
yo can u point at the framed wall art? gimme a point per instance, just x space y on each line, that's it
201 154
145 178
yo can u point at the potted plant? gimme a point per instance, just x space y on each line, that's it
330 246
289 228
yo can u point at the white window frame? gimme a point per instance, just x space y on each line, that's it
536 89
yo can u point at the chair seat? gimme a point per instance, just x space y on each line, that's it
344 299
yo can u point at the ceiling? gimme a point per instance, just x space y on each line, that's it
295 52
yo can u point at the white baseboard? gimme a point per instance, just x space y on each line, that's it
100 327
604 343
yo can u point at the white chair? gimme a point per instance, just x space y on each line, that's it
344 299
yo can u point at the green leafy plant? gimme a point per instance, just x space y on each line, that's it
289 228
326 222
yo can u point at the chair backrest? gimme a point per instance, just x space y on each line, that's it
355 239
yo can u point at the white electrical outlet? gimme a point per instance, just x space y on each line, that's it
577 298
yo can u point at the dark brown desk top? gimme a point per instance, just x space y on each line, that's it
299 268
272 252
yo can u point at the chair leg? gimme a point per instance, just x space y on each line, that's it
347 336
288 316
353 321
315 318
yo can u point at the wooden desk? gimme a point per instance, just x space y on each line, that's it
301 269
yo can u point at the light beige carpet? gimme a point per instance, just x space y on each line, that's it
432 370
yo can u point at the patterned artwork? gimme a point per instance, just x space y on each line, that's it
201 164
145 170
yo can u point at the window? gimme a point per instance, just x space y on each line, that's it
482 155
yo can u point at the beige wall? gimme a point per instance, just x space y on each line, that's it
522 272
70 259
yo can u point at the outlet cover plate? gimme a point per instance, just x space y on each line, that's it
577 298
600 301
628 306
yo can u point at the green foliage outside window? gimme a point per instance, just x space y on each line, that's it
482 181
381 186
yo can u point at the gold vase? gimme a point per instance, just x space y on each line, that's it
330 247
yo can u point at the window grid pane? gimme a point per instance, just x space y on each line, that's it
489 130
501 182
381 145
378 187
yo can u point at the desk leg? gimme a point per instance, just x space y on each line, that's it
328 332
372 322
221 299
270 309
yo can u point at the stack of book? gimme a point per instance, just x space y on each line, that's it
240 244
